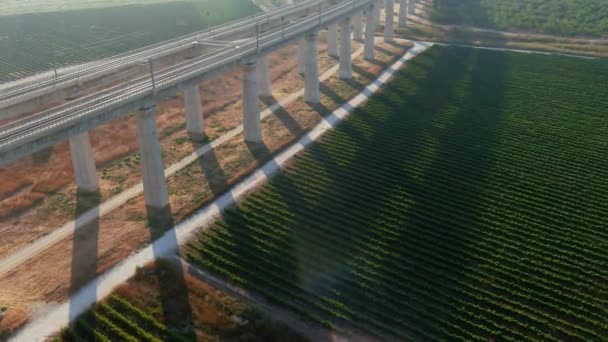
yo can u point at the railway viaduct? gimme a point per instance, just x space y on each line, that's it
189 60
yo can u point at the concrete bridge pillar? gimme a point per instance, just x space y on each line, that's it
251 110
263 77
346 65
83 162
377 9
411 7
403 13
370 30
152 168
389 25
332 40
358 26
302 56
311 78
195 123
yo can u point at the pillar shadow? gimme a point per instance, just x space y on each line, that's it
438 273
310 247
337 98
43 156
174 294
210 166
364 73
85 247
260 152
374 61
383 50
286 119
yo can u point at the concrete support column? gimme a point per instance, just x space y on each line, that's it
346 65
251 110
332 40
389 25
152 168
311 78
377 10
302 56
370 29
195 123
358 26
264 87
83 162
411 7
403 13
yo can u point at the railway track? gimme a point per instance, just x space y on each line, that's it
40 86
45 123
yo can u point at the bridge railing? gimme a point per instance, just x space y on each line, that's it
68 76
28 129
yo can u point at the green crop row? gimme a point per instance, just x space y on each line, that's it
563 17
119 320
466 201
35 42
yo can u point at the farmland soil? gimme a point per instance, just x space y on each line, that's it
32 203
176 299
125 230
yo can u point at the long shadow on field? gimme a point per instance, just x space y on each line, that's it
359 232
286 119
438 146
302 249
370 189
84 249
210 166
173 290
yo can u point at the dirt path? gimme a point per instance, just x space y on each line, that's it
60 270
38 196
166 246
15 259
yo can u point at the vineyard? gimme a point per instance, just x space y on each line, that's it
562 17
35 42
159 305
466 201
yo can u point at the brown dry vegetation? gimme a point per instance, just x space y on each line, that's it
172 295
49 276
34 202
10 320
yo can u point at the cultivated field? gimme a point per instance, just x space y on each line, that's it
562 17
15 7
160 304
465 202
34 42
60 269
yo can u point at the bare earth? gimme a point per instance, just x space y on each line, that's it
63 268
34 202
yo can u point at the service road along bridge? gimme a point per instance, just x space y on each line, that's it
204 55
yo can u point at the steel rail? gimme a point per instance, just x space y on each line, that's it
92 105
42 86
174 73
